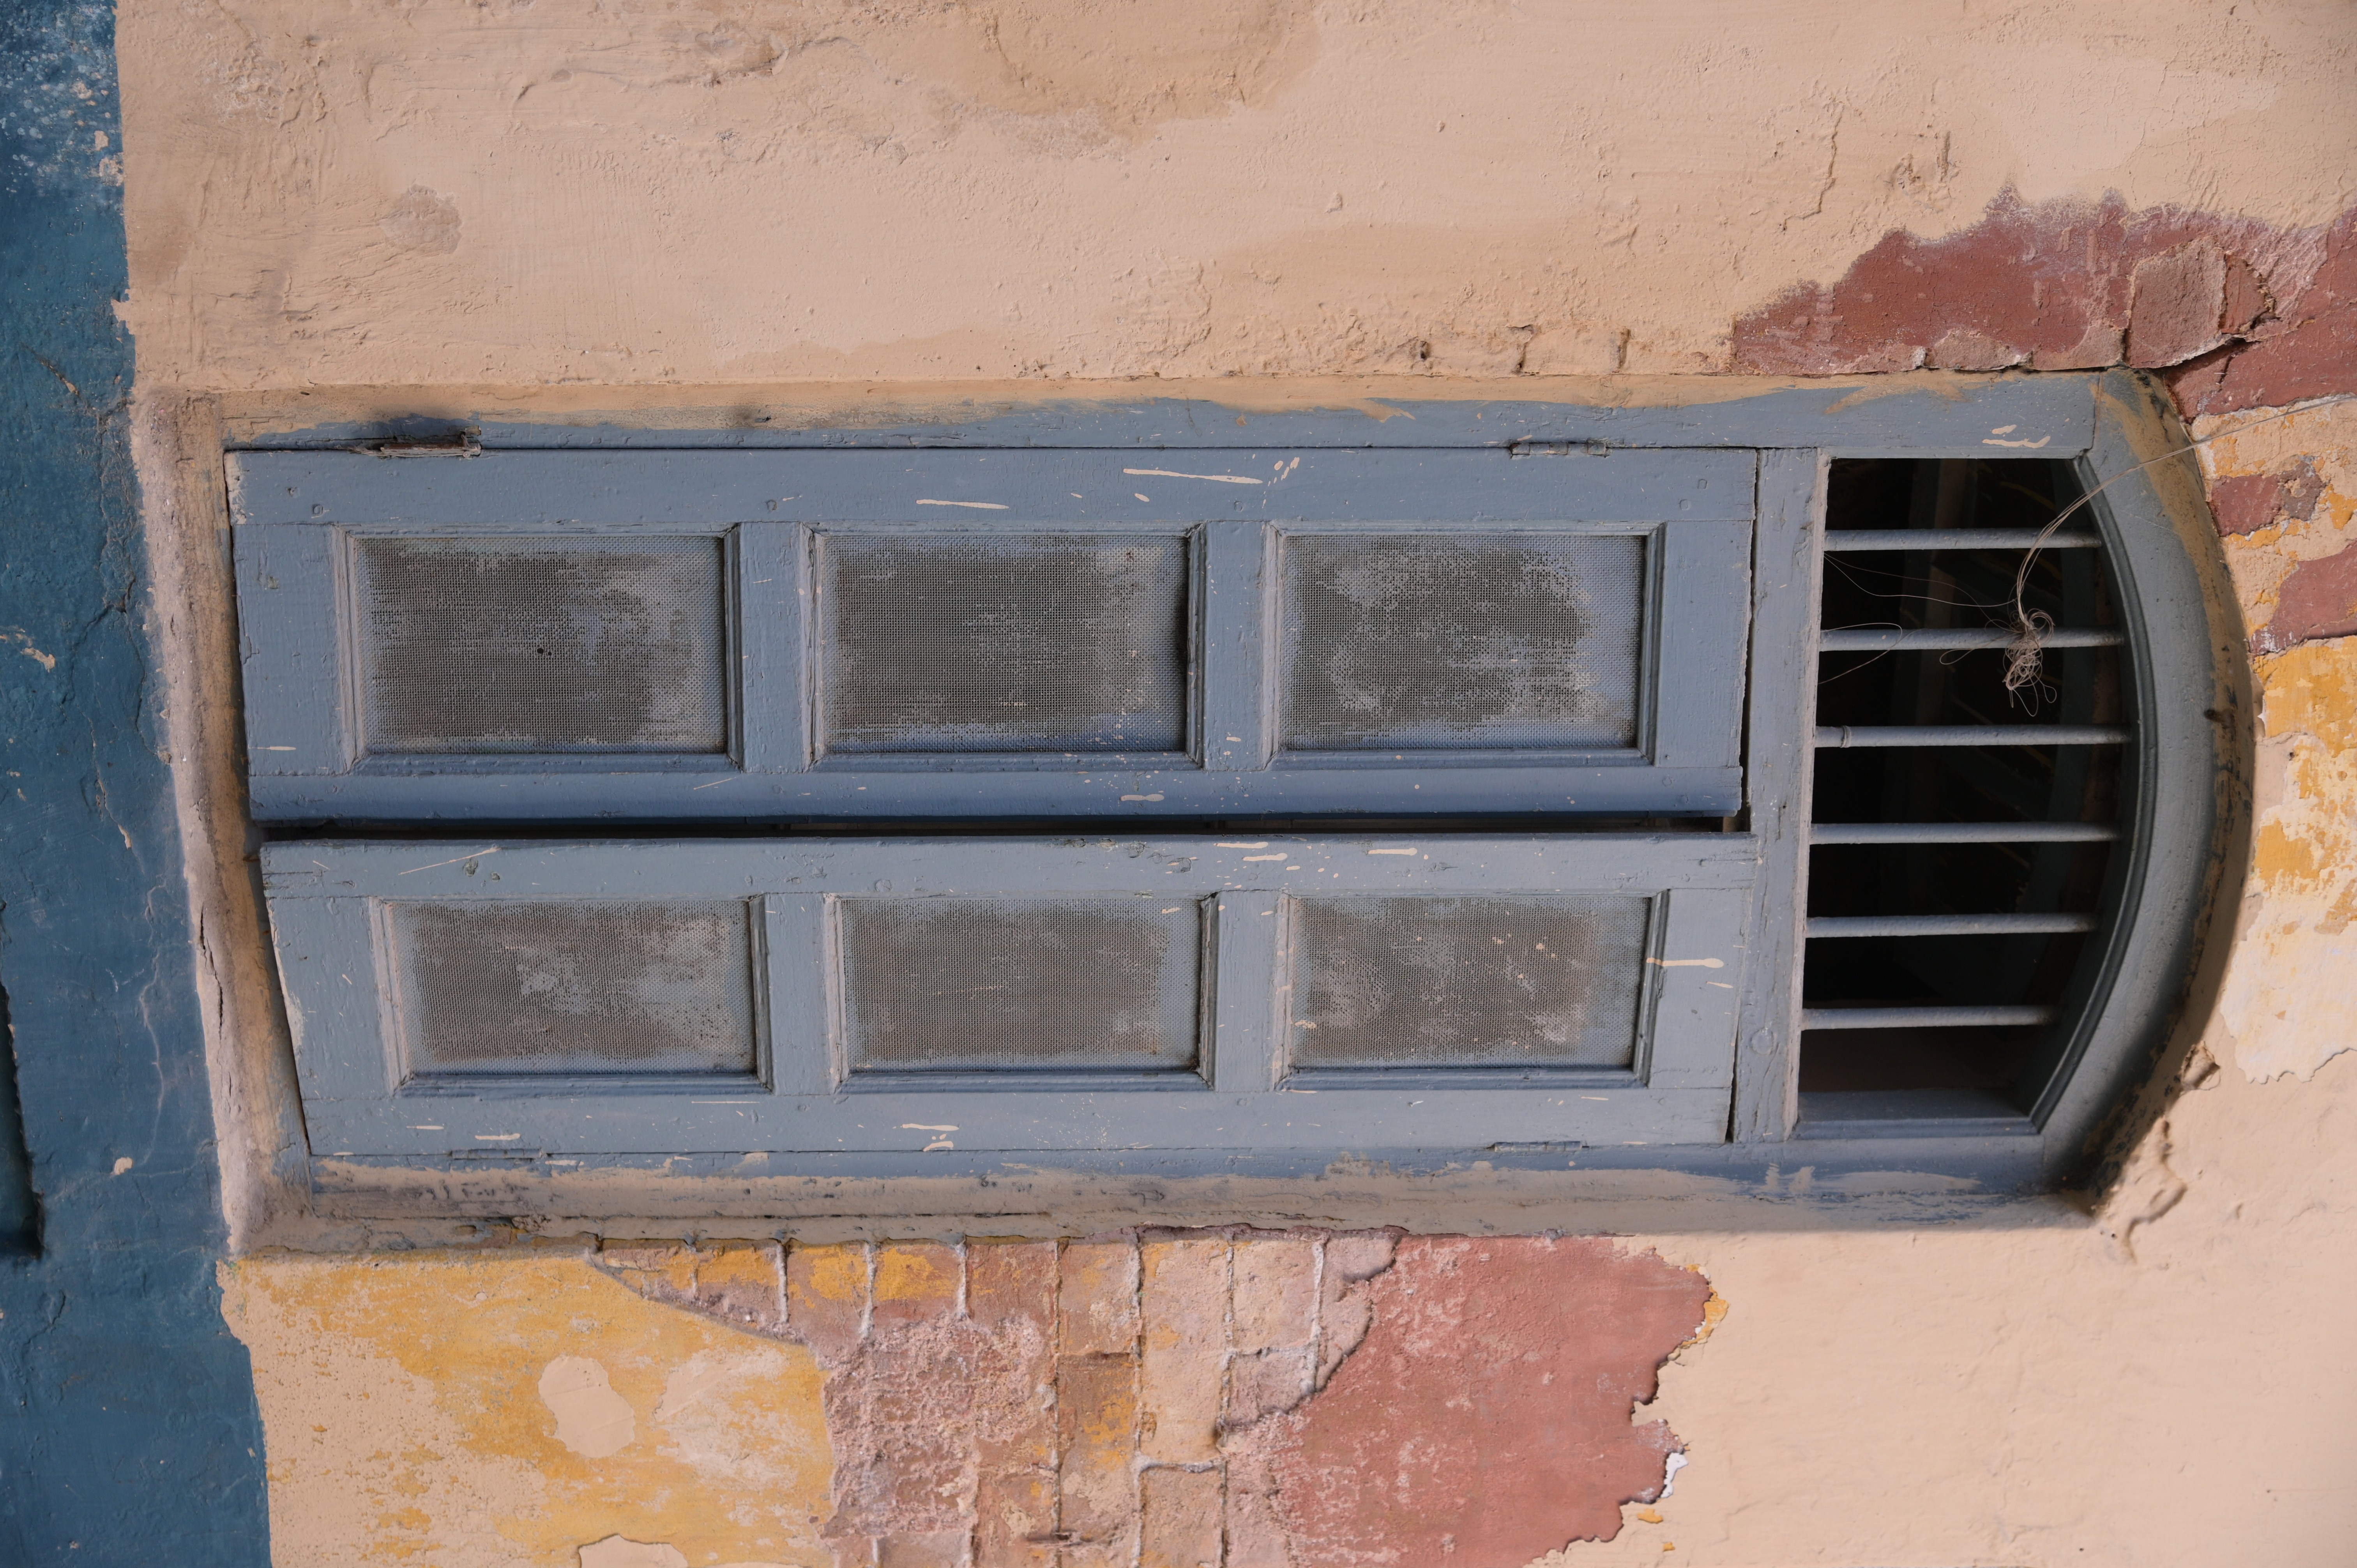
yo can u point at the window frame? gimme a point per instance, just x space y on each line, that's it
2190 760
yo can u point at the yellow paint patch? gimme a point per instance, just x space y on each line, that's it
737 1264
2290 997
915 1274
405 1408
836 1273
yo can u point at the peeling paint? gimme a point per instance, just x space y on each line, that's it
2254 314
467 1409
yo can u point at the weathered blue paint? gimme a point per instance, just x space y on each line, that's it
1931 415
300 516
328 917
128 1429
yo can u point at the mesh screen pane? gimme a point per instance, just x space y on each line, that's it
508 645
1423 640
949 983
966 642
515 987
1429 982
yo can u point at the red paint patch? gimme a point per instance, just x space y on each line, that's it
2317 600
2246 503
1485 1421
2256 315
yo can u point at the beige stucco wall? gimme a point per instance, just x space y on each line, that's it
439 190
512 193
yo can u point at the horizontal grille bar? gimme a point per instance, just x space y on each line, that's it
1847 736
1954 539
1964 832
1945 925
1881 640
1923 1017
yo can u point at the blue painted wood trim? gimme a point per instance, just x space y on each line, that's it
128 1428
333 960
1932 416
297 512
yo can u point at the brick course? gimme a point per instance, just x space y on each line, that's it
1147 1400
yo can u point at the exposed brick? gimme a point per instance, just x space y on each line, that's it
1119 1552
1180 1519
745 1284
1255 1534
2177 305
916 1283
2317 600
1096 1429
740 1282
826 1297
1274 1294
1360 1254
1265 1382
1011 1295
1344 1306
652 1263
2245 503
1014 1518
2246 314
938 1549
1183 1307
1097 1297
1010 1280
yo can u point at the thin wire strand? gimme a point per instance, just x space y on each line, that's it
2025 655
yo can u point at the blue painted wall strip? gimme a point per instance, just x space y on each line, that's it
128 1429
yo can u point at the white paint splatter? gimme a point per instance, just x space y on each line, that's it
1174 474
476 854
123 1164
591 1419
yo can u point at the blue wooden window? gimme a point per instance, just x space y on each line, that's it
817 635
1011 994
1165 804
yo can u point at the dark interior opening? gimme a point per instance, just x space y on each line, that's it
1941 588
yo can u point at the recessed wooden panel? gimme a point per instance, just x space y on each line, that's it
1085 985
1434 641
473 645
1470 983
567 988
965 642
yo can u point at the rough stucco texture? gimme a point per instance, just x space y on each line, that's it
1119 1401
701 190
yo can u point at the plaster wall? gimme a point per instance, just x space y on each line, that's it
561 207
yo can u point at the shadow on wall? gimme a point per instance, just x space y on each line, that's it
19 1211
